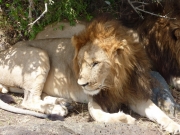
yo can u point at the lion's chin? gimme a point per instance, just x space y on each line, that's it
92 92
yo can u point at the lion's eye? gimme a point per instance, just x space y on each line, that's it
94 64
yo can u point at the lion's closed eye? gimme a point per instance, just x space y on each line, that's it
95 63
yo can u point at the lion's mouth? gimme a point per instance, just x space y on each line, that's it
92 92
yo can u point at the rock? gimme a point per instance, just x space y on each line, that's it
75 128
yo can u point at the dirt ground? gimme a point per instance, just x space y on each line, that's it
78 122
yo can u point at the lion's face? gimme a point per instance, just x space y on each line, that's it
94 67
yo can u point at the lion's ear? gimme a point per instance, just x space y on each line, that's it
177 33
75 61
76 41
120 48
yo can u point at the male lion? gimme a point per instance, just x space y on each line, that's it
111 70
160 36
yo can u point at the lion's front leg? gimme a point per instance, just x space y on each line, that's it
154 113
99 115
32 97
49 105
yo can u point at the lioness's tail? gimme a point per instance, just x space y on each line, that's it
13 109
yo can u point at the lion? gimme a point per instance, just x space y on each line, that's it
160 36
104 68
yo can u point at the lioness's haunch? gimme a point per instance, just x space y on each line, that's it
110 69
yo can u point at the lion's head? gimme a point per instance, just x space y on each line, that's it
94 68
109 65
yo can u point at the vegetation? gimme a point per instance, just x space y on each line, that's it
16 15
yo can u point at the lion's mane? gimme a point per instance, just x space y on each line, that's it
130 65
160 36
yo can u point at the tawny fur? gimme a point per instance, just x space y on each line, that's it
160 36
129 64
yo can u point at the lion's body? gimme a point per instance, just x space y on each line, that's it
110 67
162 46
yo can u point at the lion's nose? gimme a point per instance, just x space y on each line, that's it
82 82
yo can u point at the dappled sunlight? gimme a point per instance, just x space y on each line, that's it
22 60
41 66
60 79
19 61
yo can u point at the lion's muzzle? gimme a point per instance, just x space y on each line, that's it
87 88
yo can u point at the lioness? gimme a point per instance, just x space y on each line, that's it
110 69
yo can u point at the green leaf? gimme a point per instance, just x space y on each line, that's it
7 5
61 27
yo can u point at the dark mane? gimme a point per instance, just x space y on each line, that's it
161 37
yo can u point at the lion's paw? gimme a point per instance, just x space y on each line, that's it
63 102
173 128
125 118
130 120
60 110
57 101
121 117
56 109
